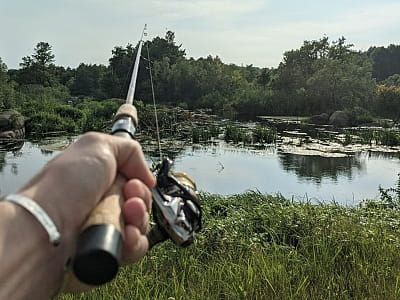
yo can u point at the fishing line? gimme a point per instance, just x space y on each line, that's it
154 103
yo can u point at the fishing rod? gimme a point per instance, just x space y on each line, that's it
176 209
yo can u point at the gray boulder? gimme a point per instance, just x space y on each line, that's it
321 119
339 119
12 125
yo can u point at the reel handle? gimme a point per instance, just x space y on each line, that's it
99 247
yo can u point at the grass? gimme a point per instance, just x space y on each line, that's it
259 134
256 246
385 137
204 133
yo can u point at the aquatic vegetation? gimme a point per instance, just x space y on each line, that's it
204 133
389 138
264 135
259 134
371 136
236 134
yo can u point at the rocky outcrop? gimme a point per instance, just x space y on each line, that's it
339 119
321 119
12 125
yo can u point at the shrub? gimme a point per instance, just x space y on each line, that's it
44 122
359 115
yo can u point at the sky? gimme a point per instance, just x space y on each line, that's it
241 32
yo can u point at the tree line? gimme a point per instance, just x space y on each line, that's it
321 76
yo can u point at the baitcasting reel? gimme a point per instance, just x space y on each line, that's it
176 209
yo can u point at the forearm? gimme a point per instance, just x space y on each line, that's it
31 266
67 189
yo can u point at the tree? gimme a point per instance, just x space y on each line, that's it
386 61
38 68
388 101
340 83
264 77
116 81
165 47
322 77
43 55
7 92
87 81
393 80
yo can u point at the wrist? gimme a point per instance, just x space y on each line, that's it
41 189
38 213
27 256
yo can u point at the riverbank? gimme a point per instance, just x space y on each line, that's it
256 246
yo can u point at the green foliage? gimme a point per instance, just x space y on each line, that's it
390 197
45 122
204 133
386 61
388 138
323 77
66 111
347 139
320 76
37 95
98 115
237 134
256 246
7 92
87 81
393 80
38 68
259 134
388 101
359 116
263 135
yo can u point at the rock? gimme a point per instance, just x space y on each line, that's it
321 119
11 125
339 119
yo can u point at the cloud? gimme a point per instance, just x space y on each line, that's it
208 8
264 43
239 31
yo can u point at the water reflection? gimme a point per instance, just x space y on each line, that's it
10 146
46 152
384 155
316 168
230 169
2 160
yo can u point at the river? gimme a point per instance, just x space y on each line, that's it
225 169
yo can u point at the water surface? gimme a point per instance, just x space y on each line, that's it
227 170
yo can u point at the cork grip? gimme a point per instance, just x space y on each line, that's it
108 210
99 245
100 242
126 110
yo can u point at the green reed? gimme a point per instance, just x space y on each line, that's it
256 246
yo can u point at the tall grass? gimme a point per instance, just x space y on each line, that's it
256 246
259 134
385 137
204 133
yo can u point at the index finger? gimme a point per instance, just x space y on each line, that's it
130 160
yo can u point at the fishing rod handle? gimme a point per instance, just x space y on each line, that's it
99 247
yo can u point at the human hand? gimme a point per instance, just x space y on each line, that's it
72 184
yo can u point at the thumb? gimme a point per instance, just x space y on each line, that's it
130 160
